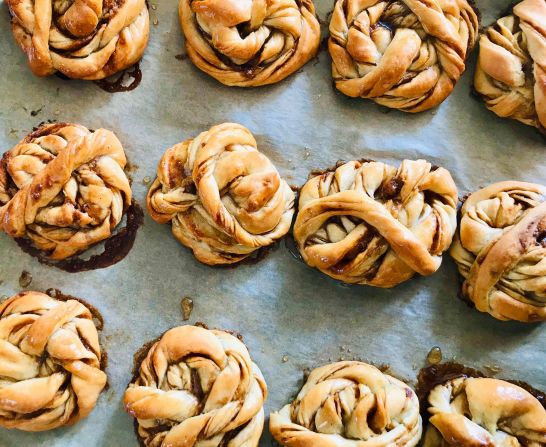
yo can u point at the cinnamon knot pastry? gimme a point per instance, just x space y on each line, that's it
370 223
511 71
50 362
82 39
249 43
500 250
349 404
403 54
63 187
197 387
484 412
224 198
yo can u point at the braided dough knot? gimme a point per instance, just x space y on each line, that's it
349 404
511 70
224 198
83 39
195 387
484 412
251 42
64 188
500 250
403 54
50 362
370 223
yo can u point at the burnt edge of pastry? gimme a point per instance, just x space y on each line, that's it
115 84
116 247
98 320
433 375
252 259
138 358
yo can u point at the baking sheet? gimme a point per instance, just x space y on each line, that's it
282 307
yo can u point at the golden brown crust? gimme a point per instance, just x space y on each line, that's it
249 43
349 404
224 198
482 412
197 385
370 223
50 362
82 39
511 71
500 250
64 188
403 54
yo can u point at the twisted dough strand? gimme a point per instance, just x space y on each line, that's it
500 250
64 188
349 404
195 387
370 223
511 71
50 362
403 54
484 412
83 39
224 198
249 43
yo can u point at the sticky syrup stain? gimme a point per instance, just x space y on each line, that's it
434 356
187 307
25 279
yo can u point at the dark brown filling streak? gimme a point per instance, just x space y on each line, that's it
433 375
115 248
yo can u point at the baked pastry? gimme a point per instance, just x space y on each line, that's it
484 412
90 39
366 222
500 250
197 387
511 70
403 54
349 404
249 43
63 187
224 199
51 365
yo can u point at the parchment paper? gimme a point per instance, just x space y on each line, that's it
282 307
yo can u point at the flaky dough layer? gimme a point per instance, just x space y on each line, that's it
403 54
82 39
249 43
349 404
224 198
500 250
371 223
50 362
195 387
63 187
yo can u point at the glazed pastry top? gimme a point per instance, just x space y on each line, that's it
250 43
50 362
484 412
371 223
403 54
195 387
224 198
64 188
349 404
500 250
511 70
82 39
